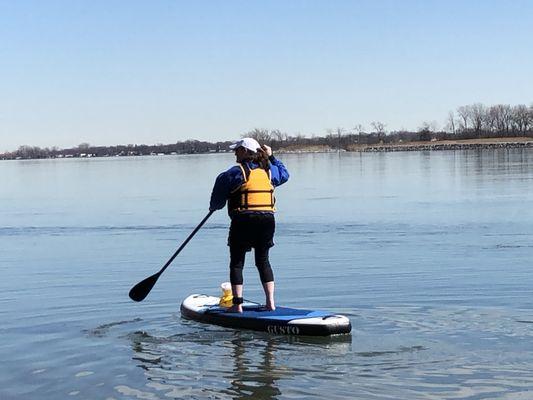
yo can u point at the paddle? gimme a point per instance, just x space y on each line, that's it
141 290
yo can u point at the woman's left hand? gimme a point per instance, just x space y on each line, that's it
267 149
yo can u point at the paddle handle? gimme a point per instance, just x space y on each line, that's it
186 241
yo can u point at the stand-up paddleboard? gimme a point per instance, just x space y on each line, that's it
283 320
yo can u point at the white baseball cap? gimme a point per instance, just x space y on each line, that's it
248 143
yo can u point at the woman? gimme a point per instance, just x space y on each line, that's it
248 189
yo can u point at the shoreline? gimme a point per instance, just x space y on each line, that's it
467 144
434 145
438 145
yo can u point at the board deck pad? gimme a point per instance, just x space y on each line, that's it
283 320
280 313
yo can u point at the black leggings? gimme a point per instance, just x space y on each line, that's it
251 231
237 257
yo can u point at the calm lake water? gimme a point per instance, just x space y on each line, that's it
429 255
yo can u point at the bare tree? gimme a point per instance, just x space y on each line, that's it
340 133
297 140
501 117
450 122
521 117
477 116
278 135
428 126
464 117
379 128
261 135
491 119
359 129
331 138
530 113
28 152
426 129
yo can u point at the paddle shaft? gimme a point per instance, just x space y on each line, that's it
186 241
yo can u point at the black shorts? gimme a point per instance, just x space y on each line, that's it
252 230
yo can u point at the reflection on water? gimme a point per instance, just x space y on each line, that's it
212 361
395 352
239 364
254 380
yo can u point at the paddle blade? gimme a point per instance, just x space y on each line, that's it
141 290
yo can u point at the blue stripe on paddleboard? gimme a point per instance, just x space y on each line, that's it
280 313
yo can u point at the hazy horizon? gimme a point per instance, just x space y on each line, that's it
110 73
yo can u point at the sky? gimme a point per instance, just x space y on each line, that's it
146 72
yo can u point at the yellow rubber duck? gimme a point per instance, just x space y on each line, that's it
226 300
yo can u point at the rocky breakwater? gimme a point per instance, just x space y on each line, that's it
445 146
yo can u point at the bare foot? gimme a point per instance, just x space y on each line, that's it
270 307
236 308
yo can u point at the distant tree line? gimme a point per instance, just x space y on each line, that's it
467 122
500 119
86 150
473 121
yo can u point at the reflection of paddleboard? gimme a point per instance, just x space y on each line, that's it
283 320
